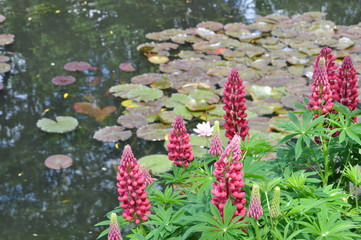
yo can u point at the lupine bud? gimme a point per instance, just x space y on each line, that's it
330 64
255 207
179 148
321 96
114 231
216 143
229 179
275 205
234 99
131 188
345 91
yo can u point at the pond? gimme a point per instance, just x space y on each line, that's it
40 203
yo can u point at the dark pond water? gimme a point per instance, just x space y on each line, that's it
39 203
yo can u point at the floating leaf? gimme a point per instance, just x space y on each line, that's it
158 59
344 43
63 80
167 117
154 132
213 26
93 110
206 95
2 18
157 163
6 39
4 59
4 67
123 89
145 94
148 78
93 80
164 35
132 120
112 134
181 110
77 66
60 125
58 161
199 105
177 99
261 92
127 66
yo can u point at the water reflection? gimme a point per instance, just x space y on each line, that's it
50 204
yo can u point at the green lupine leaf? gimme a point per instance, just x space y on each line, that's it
105 232
298 149
353 136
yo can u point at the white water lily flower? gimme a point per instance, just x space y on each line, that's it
204 129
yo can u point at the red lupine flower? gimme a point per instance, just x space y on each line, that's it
255 208
131 188
330 64
179 148
321 96
346 87
216 143
147 177
114 231
229 179
234 99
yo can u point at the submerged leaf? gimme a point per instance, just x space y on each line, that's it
60 125
63 80
112 134
93 110
58 161
127 66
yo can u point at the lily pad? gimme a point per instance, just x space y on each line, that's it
261 92
112 134
77 66
164 35
93 110
2 18
259 123
58 161
148 78
199 105
4 67
154 132
183 111
157 163
4 59
60 125
167 117
63 80
177 99
6 39
213 26
132 120
123 89
344 43
145 94
158 59
127 67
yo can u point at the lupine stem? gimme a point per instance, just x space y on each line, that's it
256 229
327 162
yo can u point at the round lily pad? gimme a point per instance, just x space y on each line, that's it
132 120
164 35
213 26
60 125
154 132
2 18
199 105
158 59
58 161
147 78
127 67
112 134
77 66
145 94
4 67
177 99
63 80
6 39
4 59
167 117
123 89
157 163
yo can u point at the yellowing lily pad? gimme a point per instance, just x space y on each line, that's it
145 94
60 125
112 134
157 163
158 59
4 67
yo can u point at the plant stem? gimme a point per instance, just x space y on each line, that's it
327 163
143 229
256 229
